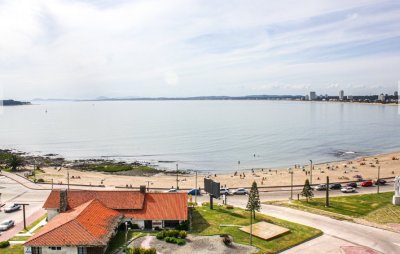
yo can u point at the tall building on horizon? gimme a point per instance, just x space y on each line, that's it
313 96
396 93
341 95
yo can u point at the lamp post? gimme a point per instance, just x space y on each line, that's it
148 185
311 169
378 180
177 177
290 170
195 196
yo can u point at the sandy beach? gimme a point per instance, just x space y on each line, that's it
341 171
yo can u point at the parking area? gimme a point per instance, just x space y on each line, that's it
13 192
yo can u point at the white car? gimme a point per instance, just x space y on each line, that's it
348 189
12 208
224 191
172 190
6 225
240 191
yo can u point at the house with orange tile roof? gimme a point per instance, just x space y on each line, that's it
84 221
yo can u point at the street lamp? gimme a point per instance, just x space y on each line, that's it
378 180
290 170
177 177
311 168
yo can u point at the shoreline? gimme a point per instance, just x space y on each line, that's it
338 171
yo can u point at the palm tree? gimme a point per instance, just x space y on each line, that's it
15 162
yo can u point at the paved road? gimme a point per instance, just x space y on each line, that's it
336 233
12 192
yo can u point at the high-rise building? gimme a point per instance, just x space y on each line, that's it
396 94
313 96
341 95
381 97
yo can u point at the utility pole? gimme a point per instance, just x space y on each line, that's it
327 192
291 182
34 171
177 177
195 196
52 183
148 185
23 212
251 228
311 168
378 180
68 178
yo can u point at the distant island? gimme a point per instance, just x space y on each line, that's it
13 103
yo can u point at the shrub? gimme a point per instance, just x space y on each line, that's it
157 228
184 225
226 239
40 180
182 234
135 226
175 240
4 244
160 235
229 206
138 250
172 233
180 241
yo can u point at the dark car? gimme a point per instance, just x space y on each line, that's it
380 182
367 184
320 187
354 185
194 192
335 186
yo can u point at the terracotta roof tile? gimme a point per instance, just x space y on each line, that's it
90 224
111 199
162 206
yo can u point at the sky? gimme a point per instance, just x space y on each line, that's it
117 48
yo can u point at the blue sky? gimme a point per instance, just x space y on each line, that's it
85 49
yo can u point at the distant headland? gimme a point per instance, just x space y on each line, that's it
13 103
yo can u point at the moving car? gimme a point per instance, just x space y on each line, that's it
224 191
380 182
240 191
347 189
6 225
354 185
335 186
12 208
172 190
320 187
194 192
367 184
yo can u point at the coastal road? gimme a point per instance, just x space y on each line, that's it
13 192
337 234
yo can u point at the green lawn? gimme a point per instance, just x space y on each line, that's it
119 167
119 240
207 222
14 249
376 208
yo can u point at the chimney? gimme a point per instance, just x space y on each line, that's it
143 188
63 200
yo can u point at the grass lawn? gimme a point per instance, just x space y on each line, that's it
207 222
14 249
119 240
118 168
376 208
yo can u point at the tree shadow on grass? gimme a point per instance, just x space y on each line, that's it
199 223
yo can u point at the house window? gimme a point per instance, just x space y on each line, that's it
55 248
82 250
36 250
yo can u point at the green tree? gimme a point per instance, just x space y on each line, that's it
253 205
15 162
307 191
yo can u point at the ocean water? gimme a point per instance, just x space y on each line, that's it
203 135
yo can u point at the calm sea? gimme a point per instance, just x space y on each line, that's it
203 135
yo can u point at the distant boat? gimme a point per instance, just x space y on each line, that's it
46 111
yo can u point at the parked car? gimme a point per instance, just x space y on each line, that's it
6 225
172 190
224 191
367 184
194 192
12 208
335 186
320 187
347 189
354 185
240 191
380 182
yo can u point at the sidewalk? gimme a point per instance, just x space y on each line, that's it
23 181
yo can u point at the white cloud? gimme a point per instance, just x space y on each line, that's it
59 48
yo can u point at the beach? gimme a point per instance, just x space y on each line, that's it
340 171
